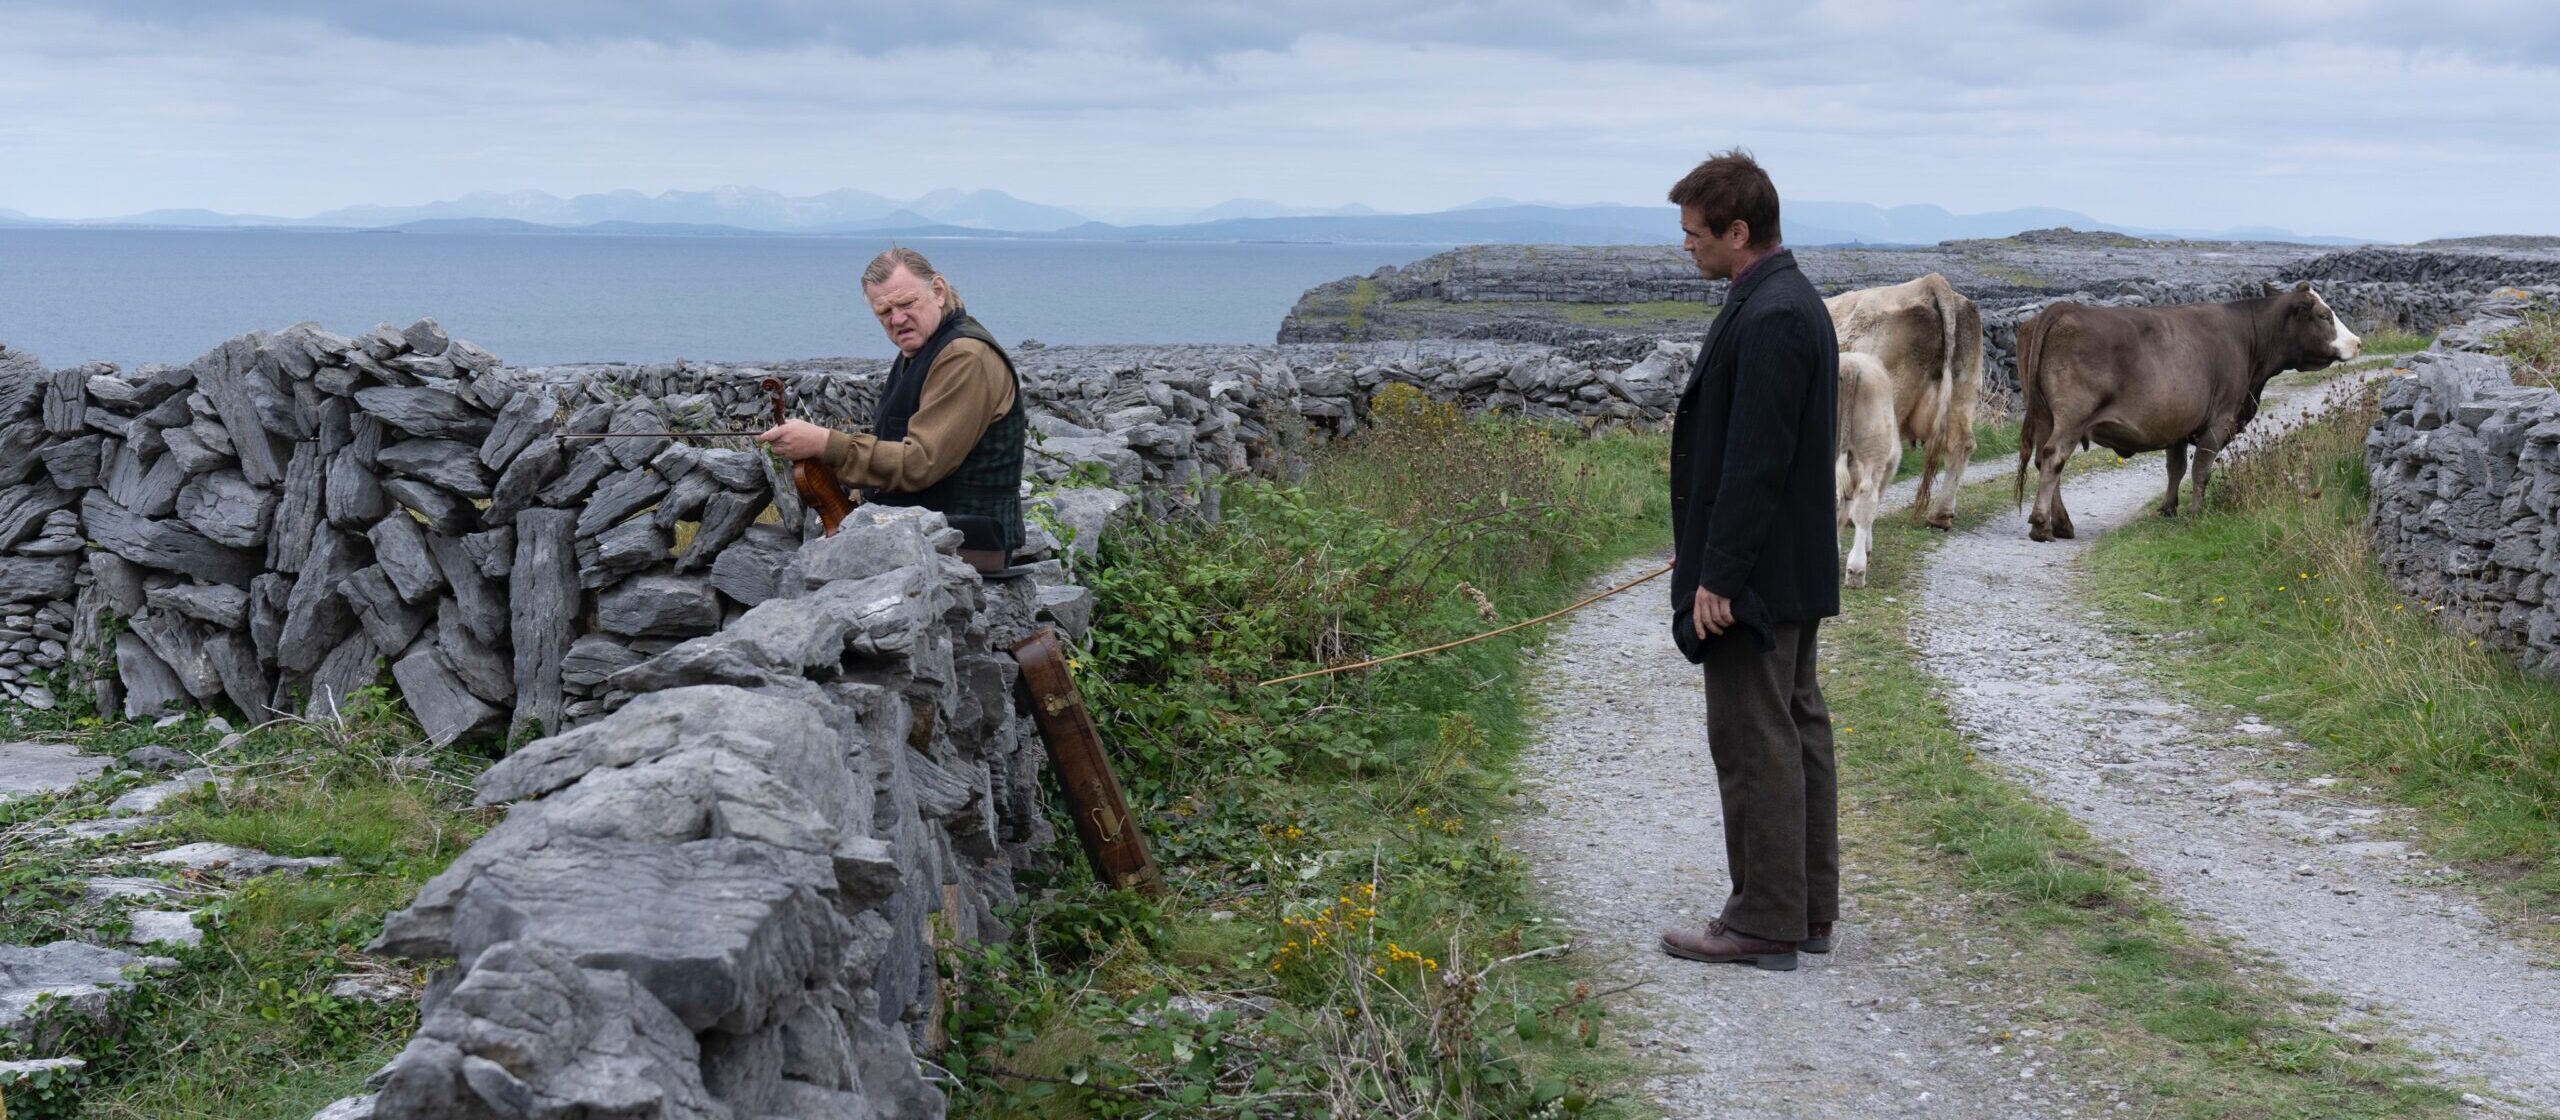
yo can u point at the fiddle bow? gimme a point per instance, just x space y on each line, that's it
819 488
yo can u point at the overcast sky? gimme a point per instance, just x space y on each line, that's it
2391 120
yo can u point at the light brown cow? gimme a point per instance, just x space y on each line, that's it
1870 450
1929 337
2175 377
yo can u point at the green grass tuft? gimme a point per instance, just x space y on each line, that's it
1355 306
2533 346
2392 341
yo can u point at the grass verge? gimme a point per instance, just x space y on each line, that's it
2273 601
2389 340
1341 933
2054 923
247 1026
1995 442
2533 347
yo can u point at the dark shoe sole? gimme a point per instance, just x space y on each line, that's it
1815 945
1772 962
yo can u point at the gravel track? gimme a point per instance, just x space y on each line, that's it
1622 830
1625 835
2237 825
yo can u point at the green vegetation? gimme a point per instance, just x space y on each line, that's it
2275 603
2388 340
1632 316
2019 277
1355 306
246 1028
2534 346
1995 441
1364 943
1431 318
1653 313
2301 378
2061 927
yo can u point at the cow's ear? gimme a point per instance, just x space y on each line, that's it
2266 287
2302 285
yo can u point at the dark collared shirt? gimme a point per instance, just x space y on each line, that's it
1755 264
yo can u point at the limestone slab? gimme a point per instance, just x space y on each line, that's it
30 767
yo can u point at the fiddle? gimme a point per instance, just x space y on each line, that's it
819 488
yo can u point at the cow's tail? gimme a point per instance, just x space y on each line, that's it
2035 425
1944 296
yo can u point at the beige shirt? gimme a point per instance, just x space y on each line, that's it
967 389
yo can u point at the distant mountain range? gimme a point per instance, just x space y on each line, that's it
754 211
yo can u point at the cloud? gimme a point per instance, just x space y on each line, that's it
2170 114
2517 32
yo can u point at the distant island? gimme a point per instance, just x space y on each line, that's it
754 212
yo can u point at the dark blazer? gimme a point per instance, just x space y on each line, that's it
1751 460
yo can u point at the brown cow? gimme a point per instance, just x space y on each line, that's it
1869 453
1929 337
2135 379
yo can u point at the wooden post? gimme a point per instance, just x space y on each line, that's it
1112 842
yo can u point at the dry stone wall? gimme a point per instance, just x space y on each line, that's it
275 521
1166 415
279 520
721 901
2465 469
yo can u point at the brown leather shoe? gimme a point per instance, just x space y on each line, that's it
1719 944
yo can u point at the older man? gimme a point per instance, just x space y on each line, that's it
1757 568
949 431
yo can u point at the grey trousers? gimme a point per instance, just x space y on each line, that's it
1770 735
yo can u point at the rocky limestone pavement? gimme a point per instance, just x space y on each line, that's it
1560 296
14 1074
45 987
27 768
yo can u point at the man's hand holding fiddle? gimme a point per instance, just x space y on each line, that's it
796 439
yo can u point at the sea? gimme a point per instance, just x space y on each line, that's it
137 296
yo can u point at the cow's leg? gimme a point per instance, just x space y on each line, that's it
1840 490
2177 474
2062 517
1928 475
1862 513
2204 473
2047 513
1959 448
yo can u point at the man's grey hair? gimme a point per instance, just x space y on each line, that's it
899 256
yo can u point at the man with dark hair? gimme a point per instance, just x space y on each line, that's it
949 431
1756 568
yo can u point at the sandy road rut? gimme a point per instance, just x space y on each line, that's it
1622 830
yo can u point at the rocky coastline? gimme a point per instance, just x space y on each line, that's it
1587 296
